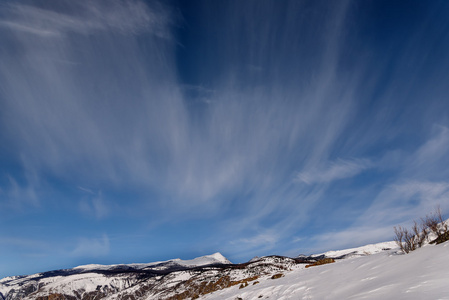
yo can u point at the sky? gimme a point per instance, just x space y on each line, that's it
140 131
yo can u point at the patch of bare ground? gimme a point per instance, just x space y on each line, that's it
321 262
194 290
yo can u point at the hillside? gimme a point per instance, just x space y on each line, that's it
375 271
422 274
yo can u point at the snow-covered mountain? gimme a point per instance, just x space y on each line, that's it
216 258
375 271
100 281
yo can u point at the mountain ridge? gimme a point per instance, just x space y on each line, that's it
171 279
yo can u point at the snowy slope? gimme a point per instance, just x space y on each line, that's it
360 251
422 274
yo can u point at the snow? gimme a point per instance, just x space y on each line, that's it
375 271
361 251
133 265
6 284
88 279
94 266
421 274
205 260
67 285
216 258
178 277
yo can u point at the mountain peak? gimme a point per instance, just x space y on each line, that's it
216 258
219 257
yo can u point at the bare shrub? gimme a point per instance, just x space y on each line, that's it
437 226
432 221
405 239
410 240
421 233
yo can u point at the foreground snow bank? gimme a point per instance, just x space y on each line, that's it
422 274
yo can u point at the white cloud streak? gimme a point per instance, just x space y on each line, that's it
410 196
92 247
91 95
139 131
95 205
334 171
18 196
86 18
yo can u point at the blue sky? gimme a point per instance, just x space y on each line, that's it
137 131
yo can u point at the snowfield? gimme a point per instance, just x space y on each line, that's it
360 251
422 274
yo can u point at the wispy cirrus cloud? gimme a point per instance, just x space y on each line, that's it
258 244
403 202
95 205
92 247
426 161
411 195
104 127
223 128
268 238
18 196
339 169
20 243
65 112
86 18
420 184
